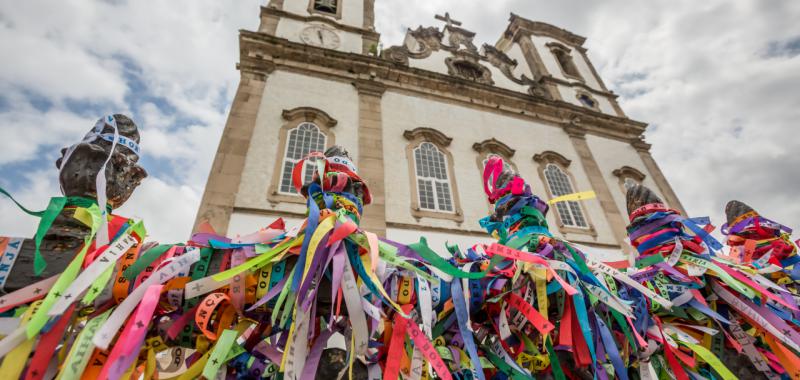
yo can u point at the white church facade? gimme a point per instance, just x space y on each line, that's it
419 120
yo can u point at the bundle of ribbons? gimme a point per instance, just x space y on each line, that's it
729 319
329 299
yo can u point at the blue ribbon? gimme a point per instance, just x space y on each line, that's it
708 239
311 226
611 349
469 341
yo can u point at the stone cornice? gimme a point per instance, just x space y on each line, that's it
551 79
347 28
640 145
428 134
545 29
492 145
309 114
259 51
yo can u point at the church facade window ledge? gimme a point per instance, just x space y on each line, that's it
571 216
434 193
305 129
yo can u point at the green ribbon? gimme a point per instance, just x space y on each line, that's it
144 260
558 373
48 216
649 260
220 353
439 262
199 270
504 367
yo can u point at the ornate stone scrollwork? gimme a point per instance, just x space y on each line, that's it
397 54
429 39
467 67
506 66
538 88
457 37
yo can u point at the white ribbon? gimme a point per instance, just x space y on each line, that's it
352 300
93 271
9 257
118 317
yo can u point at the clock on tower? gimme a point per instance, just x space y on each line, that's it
345 25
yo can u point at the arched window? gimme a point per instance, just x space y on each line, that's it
303 139
433 188
433 183
570 212
305 130
571 216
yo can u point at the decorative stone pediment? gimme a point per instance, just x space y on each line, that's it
429 39
428 134
498 58
309 114
627 171
456 37
492 145
549 156
506 66
466 66
466 60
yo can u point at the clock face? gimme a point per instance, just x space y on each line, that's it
318 35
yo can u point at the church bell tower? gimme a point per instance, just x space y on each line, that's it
343 25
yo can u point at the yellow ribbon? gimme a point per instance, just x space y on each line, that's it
15 360
712 360
583 195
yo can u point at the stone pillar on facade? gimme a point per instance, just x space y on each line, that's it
370 153
222 186
670 197
370 39
577 136
536 64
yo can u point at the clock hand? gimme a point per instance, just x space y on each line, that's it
319 34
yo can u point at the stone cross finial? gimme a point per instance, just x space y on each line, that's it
446 18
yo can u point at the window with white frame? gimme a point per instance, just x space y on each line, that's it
433 181
302 140
559 183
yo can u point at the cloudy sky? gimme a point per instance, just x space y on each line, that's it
718 81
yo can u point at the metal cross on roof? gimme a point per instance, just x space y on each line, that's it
446 18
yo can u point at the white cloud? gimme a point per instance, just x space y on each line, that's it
167 210
39 187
